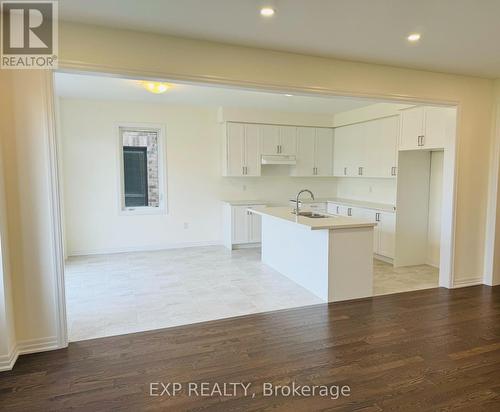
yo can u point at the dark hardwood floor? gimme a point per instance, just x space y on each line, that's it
431 350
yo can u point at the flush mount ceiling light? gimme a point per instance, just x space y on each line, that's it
155 87
288 95
414 37
267 11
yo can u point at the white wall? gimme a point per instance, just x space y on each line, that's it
194 183
435 208
370 190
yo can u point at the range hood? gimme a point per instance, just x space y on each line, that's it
279 160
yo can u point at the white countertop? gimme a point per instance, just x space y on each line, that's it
348 202
331 222
361 203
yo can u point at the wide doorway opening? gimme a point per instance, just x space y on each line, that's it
160 182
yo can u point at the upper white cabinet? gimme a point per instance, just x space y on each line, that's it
426 127
278 139
314 152
367 149
242 151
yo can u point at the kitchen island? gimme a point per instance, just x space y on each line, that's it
331 256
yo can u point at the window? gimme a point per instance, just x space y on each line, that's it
141 185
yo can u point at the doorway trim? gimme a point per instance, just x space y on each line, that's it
446 272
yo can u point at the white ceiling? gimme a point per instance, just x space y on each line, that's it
110 88
458 36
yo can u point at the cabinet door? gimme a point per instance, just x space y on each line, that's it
255 228
343 151
324 152
412 126
345 210
235 149
381 147
349 150
270 139
288 141
240 225
387 234
305 151
333 208
436 127
252 150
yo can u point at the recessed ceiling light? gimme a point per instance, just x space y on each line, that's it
288 95
414 37
156 87
267 11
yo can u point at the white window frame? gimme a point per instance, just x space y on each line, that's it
143 210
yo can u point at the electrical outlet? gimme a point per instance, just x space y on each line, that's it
186 225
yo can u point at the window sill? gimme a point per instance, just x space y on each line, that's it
142 211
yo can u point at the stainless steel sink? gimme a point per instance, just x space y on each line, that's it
312 215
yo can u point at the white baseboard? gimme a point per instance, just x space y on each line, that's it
467 282
27 346
149 248
383 259
7 361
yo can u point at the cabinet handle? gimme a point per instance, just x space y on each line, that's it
360 171
281 149
349 212
338 210
393 171
345 171
277 148
421 140
377 217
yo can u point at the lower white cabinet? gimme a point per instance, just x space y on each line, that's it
384 242
240 226
385 234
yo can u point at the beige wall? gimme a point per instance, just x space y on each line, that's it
7 327
158 56
496 149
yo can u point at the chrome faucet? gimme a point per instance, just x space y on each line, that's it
297 206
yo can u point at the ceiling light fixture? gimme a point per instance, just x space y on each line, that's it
414 37
267 11
288 95
155 87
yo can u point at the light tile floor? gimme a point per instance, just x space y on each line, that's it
132 292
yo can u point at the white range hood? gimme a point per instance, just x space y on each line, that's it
279 160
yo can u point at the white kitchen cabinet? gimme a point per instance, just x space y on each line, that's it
314 152
278 140
333 208
270 139
348 149
324 152
381 147
367 149
288 140
240 226
242 150
386 234
426 127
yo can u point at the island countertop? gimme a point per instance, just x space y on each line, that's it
331 222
